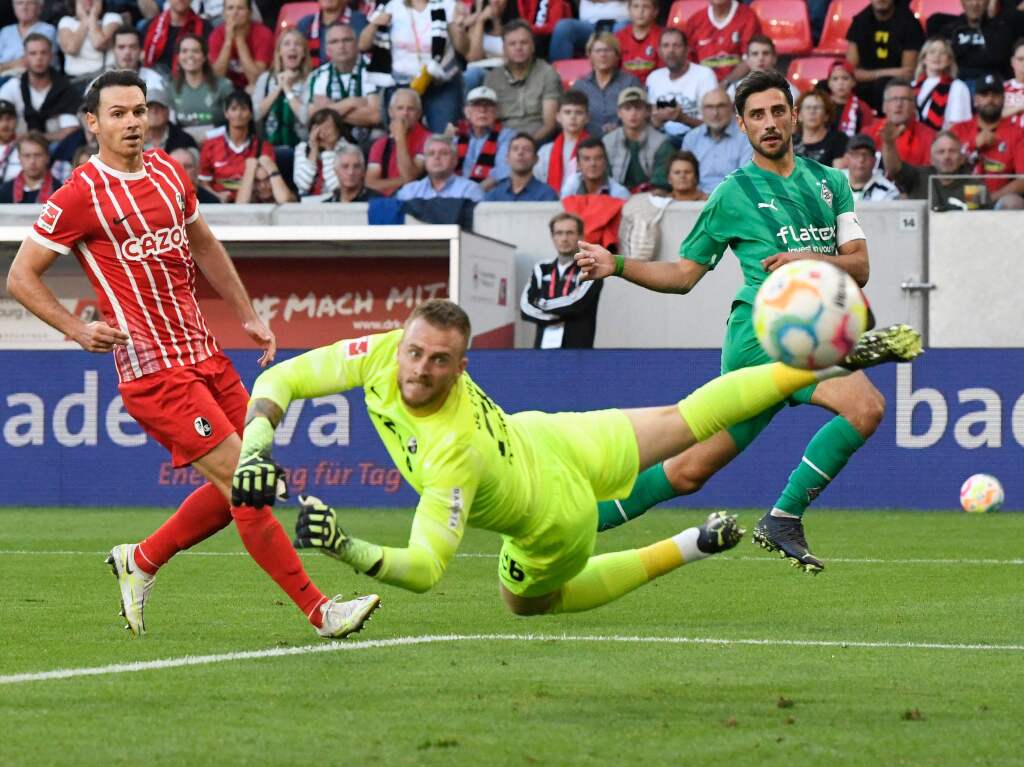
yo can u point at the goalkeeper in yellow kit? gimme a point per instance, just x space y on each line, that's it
532 477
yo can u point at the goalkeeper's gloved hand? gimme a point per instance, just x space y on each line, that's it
317 527
258 482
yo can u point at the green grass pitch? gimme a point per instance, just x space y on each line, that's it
899 676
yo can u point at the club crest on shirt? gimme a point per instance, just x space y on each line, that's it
181 201
826 194
203 427
47 220
411 446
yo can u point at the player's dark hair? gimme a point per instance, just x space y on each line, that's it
574 98
759 82
110 79
443 314
127 29
763 40
35 37
674 31
563 216
592 143
521 136
513 25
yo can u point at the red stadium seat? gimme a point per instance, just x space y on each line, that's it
291 13
681 10
571 70
786 22
837 21
805 73
923 9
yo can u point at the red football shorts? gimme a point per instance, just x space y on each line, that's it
189 410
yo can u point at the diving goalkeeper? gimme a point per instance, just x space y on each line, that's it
531 477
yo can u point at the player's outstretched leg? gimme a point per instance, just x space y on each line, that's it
781 529
609 576
339 618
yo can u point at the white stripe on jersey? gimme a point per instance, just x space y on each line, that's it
189 261
124 264
122 322
149 273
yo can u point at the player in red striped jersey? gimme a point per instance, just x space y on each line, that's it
132 220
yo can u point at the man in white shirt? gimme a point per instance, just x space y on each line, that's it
12 48
342 84
866 181
53 103
675 91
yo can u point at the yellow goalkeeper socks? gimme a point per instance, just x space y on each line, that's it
742 394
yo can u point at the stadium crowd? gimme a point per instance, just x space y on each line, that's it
591 102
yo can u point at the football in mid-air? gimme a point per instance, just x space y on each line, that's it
809 314
981 493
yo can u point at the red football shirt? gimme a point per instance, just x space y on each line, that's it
1006 155
640 57
720 45
1014 94
260 40
127 230
222 164
914 145
416 139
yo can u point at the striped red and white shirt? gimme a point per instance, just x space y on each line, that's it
127 230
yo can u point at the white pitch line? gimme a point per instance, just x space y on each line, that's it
278 652
481 555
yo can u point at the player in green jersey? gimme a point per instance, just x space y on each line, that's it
532 477
778 208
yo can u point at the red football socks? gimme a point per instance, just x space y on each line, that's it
267 543
202 514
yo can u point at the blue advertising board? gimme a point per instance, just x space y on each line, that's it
67 441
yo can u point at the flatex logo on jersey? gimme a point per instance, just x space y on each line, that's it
820 239
154 243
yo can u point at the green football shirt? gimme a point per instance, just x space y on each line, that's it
758 214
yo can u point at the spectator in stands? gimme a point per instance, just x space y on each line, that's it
223 156
314 27
85 37
882 43
761 57
542 16
482 141
241 49
199 96
164 32
557 159
128 55
63 154
720 36
440 181
421 38
942 99
593 177
521 184
13 36
53 100
10 165
913 138
557 299
278 97
981 43
483 29
676 90
718 144
1013 102
815 138
604 83
189 161
571 35
163 133
640 41
527 87
34 183
867 182
262 182
350 170
852 115
636 149
947 159
397 159
313 173
342 84
681 174
993 144
81 156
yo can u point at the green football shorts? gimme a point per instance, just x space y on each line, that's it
579 459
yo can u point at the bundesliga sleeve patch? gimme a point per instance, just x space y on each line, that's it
47 220
358 347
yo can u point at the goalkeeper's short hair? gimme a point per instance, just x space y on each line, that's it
444 314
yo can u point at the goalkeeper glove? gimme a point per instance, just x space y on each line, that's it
317 527
258 480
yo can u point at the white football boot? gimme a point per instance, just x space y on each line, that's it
135 586
343 618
